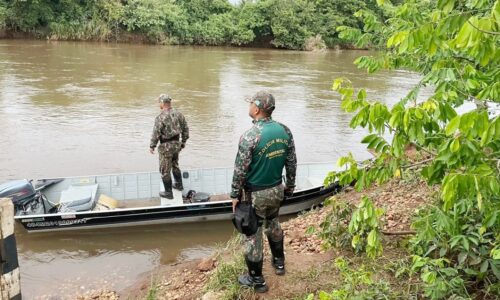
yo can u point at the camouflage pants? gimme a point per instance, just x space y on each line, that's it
267 203
169 160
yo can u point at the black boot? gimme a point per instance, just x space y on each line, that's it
254 278
168 190
278 259
178 180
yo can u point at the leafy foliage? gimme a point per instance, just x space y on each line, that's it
3 14
365 229
346 226
357 284
453 44
278 23
334 229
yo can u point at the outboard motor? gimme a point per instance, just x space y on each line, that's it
26 200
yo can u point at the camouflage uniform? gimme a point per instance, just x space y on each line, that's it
171 130
267 201
264 150
266 204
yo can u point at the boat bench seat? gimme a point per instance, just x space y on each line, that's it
316 181
78 198
304 183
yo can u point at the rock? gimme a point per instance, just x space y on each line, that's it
296 235
212 296
206 264
166 283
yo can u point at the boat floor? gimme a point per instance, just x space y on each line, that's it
157 201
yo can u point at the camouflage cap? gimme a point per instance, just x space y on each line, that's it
263 100
164 98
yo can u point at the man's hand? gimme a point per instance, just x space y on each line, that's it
183 145
288 191
152 150
235 201
236 197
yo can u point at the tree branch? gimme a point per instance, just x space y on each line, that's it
407 232
419 163
425 150
483 31
465 58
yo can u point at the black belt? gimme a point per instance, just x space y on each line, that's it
256 188
174 138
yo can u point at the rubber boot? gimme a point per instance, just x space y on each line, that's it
178 180
278 256
254 278
168 190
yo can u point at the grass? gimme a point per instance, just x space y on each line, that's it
224 278
311 275
231 265
153 290
346 276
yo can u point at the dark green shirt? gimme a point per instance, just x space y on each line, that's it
264 150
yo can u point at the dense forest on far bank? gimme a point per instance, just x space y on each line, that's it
288 24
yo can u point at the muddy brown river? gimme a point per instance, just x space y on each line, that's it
70 109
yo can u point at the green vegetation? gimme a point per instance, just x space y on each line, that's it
347 226
454 45
224 278
229 268
153 290
357 284
289 24
365 228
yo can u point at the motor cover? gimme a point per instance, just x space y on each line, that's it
20 191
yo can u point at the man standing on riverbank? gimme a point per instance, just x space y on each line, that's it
263 151
171 130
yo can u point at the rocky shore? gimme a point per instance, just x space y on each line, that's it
306 258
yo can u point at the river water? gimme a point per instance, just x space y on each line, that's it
70 109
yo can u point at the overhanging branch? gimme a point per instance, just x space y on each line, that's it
483 31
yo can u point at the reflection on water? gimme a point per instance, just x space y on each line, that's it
57 263
82 108
78 108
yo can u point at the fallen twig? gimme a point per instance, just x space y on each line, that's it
406 232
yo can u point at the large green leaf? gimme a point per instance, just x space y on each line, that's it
453 125
455 145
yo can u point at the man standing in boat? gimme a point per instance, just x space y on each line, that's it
263 151
171 131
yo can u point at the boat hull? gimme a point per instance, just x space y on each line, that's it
189 213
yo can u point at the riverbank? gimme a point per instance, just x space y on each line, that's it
122 38
314 44
310 266
286 25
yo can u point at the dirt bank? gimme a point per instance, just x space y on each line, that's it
310 268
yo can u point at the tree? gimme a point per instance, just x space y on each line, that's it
332 14
285 24
27 16
3 14
454 45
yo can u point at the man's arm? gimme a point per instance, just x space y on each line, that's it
241 164
155 137
185 130
290 162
